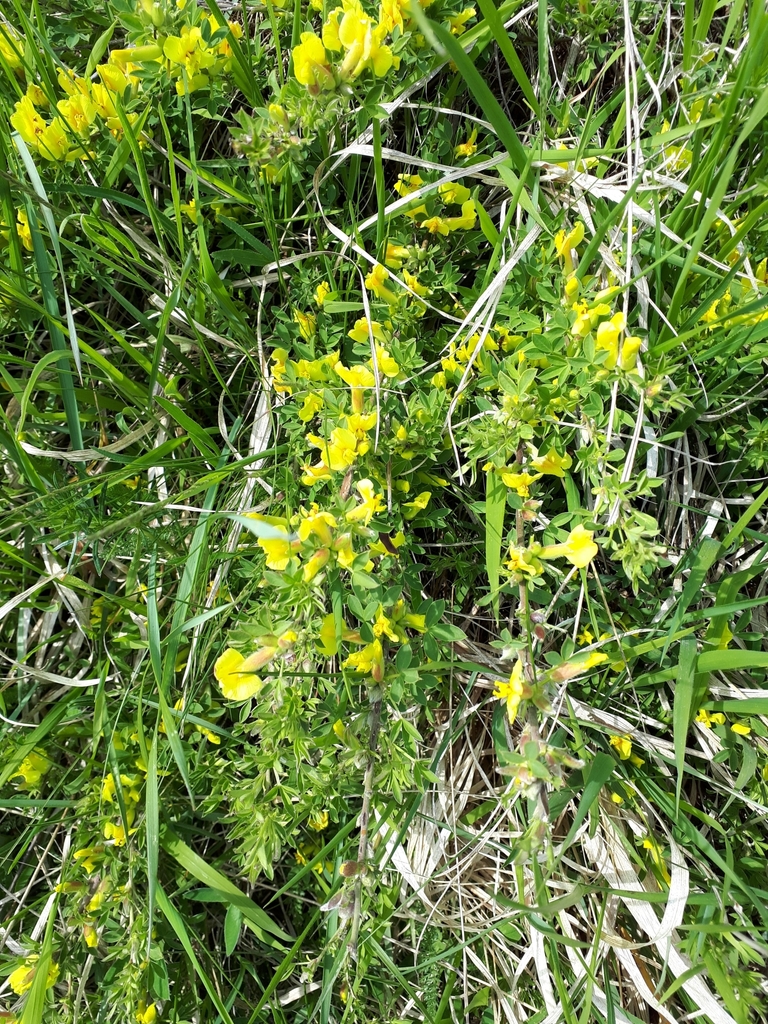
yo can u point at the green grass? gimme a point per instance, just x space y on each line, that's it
547 482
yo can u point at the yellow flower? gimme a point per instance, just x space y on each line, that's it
518 482
27 122
146 1014
396 255
358 376
656 857
579 548
313 403
415 285
90 935
518 562
629 351
314 474
340 451
435 226
458 21
453 192
623 745
21 979
310 64
315 564
607 338
322 292
368 661
418 504
103 101
565 241
307 324
552 464
391 15
514 691
703 717
741 729
386 363
371 504
78 112
11 46
279 551
360 332
319 821
190 210
363 42
319 524
444 225
235 674
113 77
89 857
406 184
468 148
376 282
585 636
32 769
188 52
360 424
345 552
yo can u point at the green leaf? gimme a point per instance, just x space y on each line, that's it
214 879
600 771
233 921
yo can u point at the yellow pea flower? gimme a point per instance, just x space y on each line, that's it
27 121
190 210
236 676
21 979
358 378
623 746
396 255
376 282
452 192
146 1014
322 292
458 22
313 403
52 143
11 46
319 821
368 661
90 935
418 504
23 231
407 184
518 562
360 423
629 353
414 284
34 766
387 364
741 729
391 14
79 112
360 332
307 324
467 219
579 549
435 226
371 503
607 338
340 451
315 564
113 78
552 464
514 691
310 64
319 524
468 148
518 482
364 44
103 101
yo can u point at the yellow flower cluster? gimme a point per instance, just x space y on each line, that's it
236 674
114 832
608 334
348 31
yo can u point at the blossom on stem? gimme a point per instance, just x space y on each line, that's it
579 548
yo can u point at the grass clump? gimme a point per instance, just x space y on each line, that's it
383 525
